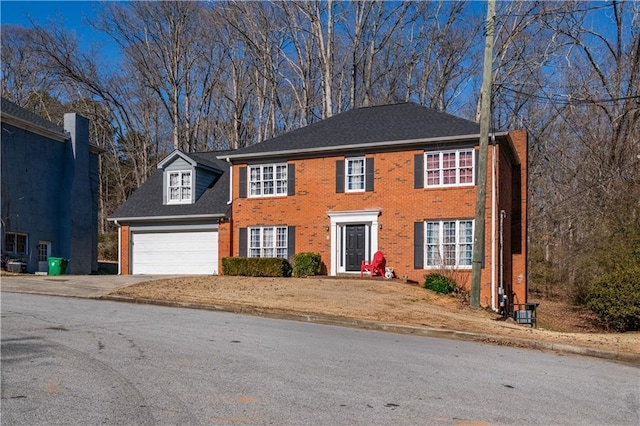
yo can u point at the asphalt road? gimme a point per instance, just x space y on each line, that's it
79 361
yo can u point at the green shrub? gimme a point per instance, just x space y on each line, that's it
439 283
615 299
306 264
256 266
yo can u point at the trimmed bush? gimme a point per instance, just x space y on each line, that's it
439 283
256 266
306 264
615 299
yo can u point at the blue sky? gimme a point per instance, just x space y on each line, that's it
74 16
72 12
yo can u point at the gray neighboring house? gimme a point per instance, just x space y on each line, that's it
49 199
170 225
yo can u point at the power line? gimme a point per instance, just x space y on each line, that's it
558 99
570 197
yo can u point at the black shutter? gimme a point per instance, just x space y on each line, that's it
369 177
418 171
418 245
291 179
339 176
243 182
291 241
243 242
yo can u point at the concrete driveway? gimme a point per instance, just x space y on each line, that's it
86 286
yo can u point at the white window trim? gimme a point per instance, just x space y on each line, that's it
13 250
457 152
283 189
274 247
180 173
458 244
347 175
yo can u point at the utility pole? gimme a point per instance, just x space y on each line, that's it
481 190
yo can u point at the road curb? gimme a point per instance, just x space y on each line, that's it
628 358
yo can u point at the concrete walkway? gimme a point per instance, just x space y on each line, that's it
85 286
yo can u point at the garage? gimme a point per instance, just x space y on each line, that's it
193 252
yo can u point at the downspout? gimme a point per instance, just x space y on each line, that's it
119 246
503 298
230 182
494 208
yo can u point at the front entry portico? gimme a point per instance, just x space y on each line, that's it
354 238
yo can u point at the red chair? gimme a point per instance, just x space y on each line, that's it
375 267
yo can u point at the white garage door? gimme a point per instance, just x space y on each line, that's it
181 253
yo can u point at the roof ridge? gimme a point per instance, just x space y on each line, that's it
384 105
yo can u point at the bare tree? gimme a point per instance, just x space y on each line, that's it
575 87
26 80
167 46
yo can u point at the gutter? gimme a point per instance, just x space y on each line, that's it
494 208
60 136
342 148
96 149
230 181
115 221
174 217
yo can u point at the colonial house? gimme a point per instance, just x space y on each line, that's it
49 203
399 178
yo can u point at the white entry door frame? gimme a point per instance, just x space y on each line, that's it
339 220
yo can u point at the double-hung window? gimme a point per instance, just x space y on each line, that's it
449 243
355 175
268 241
15 243
268 180
449 168
179 187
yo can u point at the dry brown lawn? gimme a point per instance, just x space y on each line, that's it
383 301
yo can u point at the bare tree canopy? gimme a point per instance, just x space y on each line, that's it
222 75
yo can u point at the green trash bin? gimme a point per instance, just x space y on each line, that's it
57 265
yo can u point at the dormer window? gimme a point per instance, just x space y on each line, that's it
179 187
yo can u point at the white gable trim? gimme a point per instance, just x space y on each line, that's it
172 157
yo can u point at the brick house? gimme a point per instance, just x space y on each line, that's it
396 178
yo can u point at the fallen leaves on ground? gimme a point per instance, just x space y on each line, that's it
383 301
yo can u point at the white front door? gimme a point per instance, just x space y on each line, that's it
44 252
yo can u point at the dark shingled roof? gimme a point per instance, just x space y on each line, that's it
10 108
361 126
370 125
146 201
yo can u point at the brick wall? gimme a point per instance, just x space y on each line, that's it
225 246
519 140
125 245
394 195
